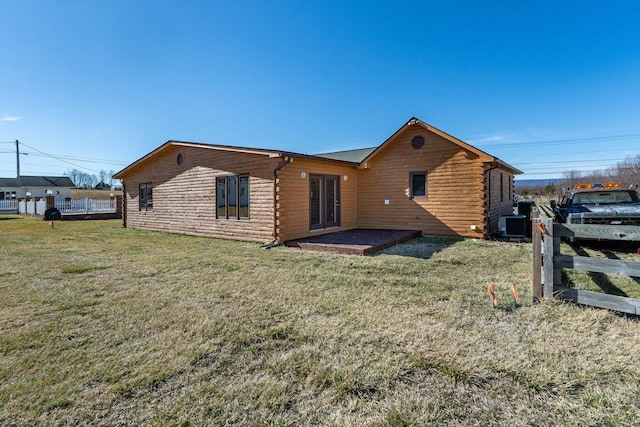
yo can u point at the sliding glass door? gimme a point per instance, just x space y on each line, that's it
324 201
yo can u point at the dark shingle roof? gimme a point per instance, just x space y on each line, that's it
8 182
355 156
37 181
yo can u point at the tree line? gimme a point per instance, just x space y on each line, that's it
101 181
627 172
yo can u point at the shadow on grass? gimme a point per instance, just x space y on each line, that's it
612 255
600 279
4 218
422 247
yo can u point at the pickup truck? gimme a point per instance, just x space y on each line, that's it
606 203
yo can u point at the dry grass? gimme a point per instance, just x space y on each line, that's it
78 193
104 325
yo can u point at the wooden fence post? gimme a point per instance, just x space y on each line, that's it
547 260
557 271
536 239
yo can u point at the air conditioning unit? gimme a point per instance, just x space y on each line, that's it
512 225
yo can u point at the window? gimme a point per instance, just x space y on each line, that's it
232 197
501 187
146 197
418 184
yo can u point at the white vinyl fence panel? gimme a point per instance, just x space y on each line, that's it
85 206
9 205
32 207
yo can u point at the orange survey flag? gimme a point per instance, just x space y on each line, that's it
492 293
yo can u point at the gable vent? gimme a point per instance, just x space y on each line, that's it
417 142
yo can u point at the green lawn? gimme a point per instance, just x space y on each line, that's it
105 325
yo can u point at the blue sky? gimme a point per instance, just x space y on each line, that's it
545 86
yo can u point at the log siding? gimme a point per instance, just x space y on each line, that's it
293 197
454 203
499 188
466 190
184 195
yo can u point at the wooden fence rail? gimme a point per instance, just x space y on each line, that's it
548 263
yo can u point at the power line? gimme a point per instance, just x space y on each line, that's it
515 144
65 157
59 159
80 159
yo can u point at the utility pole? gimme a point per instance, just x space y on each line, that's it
18 162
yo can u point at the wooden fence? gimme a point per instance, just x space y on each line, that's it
548 263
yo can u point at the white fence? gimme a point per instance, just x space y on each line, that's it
85 206
79 206
9 206
32 207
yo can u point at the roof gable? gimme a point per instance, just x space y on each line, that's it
357 157
484 157
255 151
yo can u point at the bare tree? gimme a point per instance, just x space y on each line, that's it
82 179
572 177
74 175
627 172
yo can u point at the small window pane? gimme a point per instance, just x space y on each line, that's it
221 211
142 197
145 197
315 194
418 184
149 197
244 197
232 194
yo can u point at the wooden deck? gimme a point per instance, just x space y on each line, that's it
355 242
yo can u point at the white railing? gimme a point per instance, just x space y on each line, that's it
85 206
8 205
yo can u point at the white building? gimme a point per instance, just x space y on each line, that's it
37 186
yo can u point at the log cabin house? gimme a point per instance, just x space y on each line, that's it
420 178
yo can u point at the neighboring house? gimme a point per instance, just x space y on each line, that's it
18 188
420 178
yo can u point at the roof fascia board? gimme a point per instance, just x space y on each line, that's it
257 151
484 157
227 148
